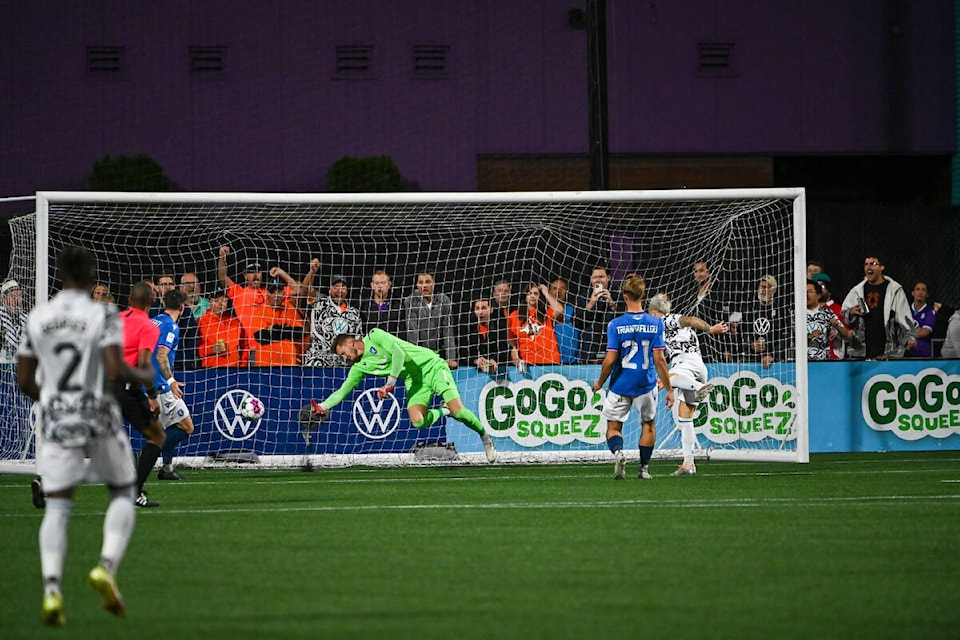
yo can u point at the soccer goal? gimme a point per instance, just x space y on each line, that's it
468 241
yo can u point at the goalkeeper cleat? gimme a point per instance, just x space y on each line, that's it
488 447
644 474
53 610
106 585
39 500
685 471
619 466
143 501
704 391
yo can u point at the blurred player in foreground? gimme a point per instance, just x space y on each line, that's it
688 373
74 343
424 373
634 359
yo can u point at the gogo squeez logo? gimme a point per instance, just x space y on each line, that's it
914 405
747 407
548 409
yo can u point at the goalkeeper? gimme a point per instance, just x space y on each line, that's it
424 373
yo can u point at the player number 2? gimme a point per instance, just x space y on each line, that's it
64 382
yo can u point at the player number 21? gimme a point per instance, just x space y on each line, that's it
632 349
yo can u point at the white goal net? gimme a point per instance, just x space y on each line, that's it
319 255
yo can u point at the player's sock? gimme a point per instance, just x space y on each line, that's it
683 381
431 416
470 419
175 435
615 443
687 440
53 538
148 458
117 528
645 454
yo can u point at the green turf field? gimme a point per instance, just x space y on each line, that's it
855 546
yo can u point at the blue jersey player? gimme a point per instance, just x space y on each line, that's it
174 416
635 346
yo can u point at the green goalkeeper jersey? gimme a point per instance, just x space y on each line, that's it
384 354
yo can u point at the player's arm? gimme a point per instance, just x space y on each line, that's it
163 363
349 384
222 267
609 362
660 362
701 325
117 369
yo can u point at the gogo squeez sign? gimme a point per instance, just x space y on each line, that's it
551 408
747 407
913 406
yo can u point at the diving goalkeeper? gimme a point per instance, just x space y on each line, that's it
424 373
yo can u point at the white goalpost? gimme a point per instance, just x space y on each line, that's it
540 412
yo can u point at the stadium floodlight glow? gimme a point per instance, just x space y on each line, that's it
469 240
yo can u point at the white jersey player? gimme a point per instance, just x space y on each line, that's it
73 344
688 373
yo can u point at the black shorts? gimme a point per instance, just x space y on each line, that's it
134 406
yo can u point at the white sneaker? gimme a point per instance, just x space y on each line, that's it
704 391
643 474
685 471
619 465
488 447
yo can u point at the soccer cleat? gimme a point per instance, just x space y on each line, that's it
685 471
39 500
106 585
53 610
704 391
163 474
143 501
643 474
488 447
619 465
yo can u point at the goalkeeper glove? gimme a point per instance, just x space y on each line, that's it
385 390
319 409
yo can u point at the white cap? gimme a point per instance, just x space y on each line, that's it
9 285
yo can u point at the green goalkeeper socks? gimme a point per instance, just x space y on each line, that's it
470 419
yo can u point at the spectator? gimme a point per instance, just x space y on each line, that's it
822 323
429 319
568 336
380 310
837 339
100 292
196 304
599 307
879 314
12 320
164 282
765 328
924 319
277 327
530 328
813 268
223 340
706 302
330 316
487 347
951 342
246 298
502 292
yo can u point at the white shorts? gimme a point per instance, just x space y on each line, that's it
111 462
617 407
172 410
690 364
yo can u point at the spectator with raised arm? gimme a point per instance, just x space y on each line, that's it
531 328
568 336
330 316
246 297
598 308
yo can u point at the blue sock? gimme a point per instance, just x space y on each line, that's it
615 443
645 454
175 435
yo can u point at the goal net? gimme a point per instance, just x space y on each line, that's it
319 254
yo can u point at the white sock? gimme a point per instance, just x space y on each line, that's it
53 538
117 529
687 439
683 381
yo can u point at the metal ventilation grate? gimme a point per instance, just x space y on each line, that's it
207 59
354 60
104 60
430 59
715 58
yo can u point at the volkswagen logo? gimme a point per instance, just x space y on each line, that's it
226 415
376 417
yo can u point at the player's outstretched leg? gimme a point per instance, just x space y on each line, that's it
459 412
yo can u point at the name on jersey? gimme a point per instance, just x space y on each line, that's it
637 328
57 325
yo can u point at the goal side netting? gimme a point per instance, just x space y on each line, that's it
319 254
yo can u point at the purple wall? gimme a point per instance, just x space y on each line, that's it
809 78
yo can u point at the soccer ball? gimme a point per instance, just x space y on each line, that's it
252 408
